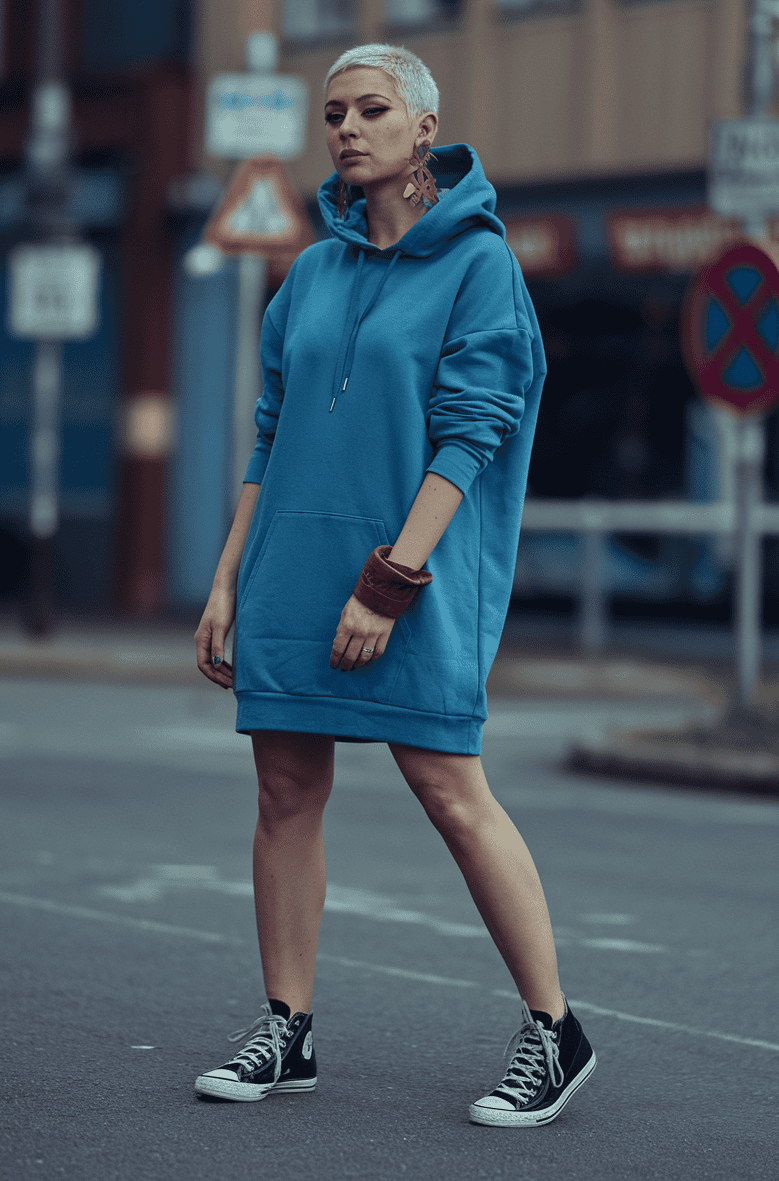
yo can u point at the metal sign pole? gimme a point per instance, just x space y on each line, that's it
748 556
44 483
252 277
45 439
258 117
262 60
47 153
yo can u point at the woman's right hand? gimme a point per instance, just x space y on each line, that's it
211 634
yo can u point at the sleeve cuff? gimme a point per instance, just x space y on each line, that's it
257 465
456 465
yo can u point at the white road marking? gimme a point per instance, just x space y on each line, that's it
384 910
621 945
121 920
83 912
155 884
615 920
152 886
597 1011
143 1047
201 737
404 973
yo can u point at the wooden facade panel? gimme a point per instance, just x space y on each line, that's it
663 59
614 87
535 99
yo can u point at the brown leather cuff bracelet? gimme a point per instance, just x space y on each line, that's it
387 587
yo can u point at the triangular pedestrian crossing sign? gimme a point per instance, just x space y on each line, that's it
260 213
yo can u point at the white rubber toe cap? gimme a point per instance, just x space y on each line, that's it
494 1103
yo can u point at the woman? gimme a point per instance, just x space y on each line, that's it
402 369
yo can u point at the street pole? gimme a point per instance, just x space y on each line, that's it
751 431
261 58
252 280
593 612
751 451
47 151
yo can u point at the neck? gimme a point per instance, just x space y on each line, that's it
389 214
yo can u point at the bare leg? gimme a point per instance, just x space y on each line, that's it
295 776
495 863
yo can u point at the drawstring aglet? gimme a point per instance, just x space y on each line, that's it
343 387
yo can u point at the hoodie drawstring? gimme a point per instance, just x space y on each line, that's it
345 363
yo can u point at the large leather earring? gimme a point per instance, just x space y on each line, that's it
421 185
344 198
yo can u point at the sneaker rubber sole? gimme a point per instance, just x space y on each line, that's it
222 1088
503 1118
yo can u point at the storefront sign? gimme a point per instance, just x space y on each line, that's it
543 246
667 239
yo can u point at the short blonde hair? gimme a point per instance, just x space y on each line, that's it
410 74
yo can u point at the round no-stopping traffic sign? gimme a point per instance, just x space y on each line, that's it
730 327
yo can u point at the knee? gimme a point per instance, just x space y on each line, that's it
446 803
286 795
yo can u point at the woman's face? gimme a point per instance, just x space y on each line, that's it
370 135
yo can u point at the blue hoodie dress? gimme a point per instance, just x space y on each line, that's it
380 366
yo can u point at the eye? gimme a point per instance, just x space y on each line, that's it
332 116
373 111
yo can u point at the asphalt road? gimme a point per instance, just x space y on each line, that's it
128 954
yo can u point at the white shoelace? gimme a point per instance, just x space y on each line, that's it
533 1052
264 1042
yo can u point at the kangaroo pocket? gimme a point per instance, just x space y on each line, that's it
292 603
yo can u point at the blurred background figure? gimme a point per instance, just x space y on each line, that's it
591 120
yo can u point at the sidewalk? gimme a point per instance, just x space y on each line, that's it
90 652
165 655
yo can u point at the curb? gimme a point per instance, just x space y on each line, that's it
636 756
169 659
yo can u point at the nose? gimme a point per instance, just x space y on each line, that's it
347 125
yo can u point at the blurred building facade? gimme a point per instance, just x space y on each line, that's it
591 118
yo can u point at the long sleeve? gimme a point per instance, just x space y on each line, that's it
268 408
485 370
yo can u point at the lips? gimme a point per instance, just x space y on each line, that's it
350 155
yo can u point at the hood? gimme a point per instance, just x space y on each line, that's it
466 199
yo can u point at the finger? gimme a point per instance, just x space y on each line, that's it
217 645
340 644
202 647
352 653
221 672
224 679
364 657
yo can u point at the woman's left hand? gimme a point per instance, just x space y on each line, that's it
359 628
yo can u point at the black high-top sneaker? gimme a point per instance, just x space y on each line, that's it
278 1056
548 1062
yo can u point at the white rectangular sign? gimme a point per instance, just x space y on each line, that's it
251 115
744 167
53 291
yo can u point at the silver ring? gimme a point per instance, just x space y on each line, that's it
370 651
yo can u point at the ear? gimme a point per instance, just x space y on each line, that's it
428 127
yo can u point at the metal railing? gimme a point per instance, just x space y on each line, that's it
747 519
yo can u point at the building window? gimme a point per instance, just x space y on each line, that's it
517 7
315 18
127 33
419 12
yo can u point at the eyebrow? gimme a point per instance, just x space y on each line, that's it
336 102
